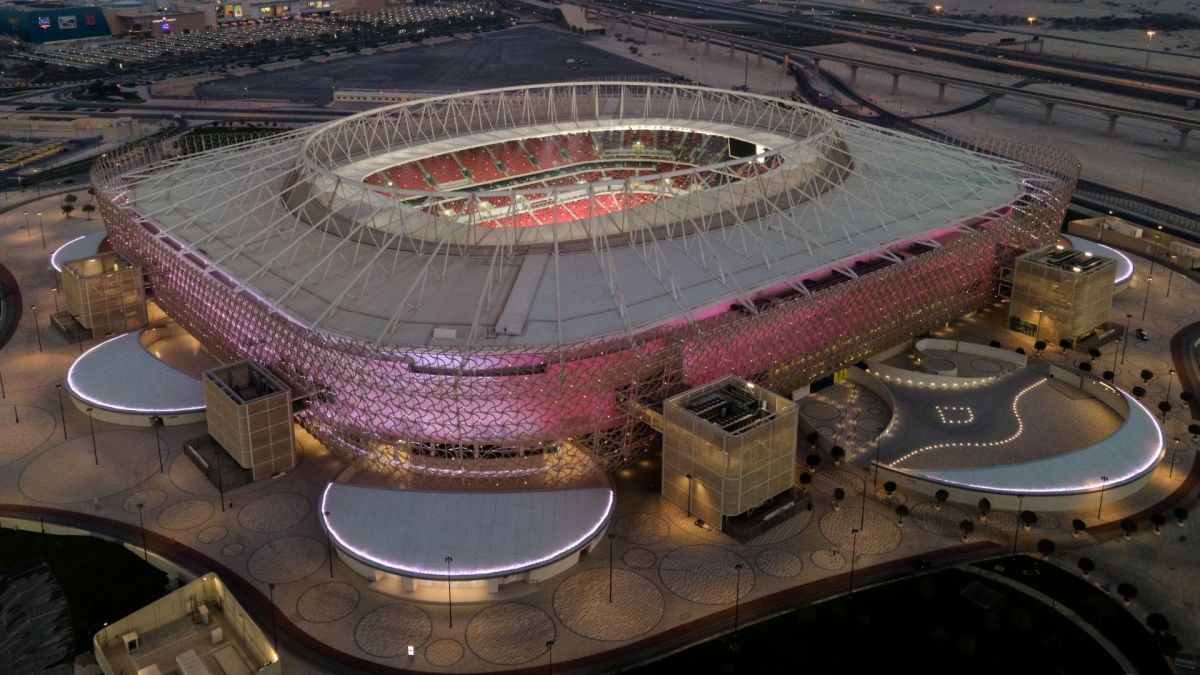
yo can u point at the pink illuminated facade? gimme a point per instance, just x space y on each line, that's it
437 346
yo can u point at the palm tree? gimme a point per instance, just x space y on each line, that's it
1046 547
1108 375
88 209
1028 519
1085 366
901 513
838 495
1146 376
812 439
889 487
1181 515
985 508
1129 527
967 527
1158 623
70 199
1039 347
1086 566
940 497
813 461
1127 591
1065 344
838 453
1138 392
1094 353
1158 520
67 209
1021 351
1077 526
805 481
995 343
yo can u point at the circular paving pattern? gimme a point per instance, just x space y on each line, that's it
149 499
777 562
231 550
387 631
784 531
869 424
705 574
878 534
581 604
644 529
1006 521
185 515
864 395
639 558
826 431
828 560
18 439
1170 324
986 366
273 512
825 482
444 652
288 559
67 473
34 370
687 524
327 602
942 522
211 535
819 410
873 410
510 633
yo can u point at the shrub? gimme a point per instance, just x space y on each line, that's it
1180 514
1158 623
1129 527
1046 547
1087 566
1029 519
902 512
1127 591
889 487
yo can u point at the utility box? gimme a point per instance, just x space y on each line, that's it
250 416
728 446
105 293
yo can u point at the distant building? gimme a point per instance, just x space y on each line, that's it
1059 293
39 22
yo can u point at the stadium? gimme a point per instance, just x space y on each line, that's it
497 288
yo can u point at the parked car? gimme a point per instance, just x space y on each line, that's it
1142 334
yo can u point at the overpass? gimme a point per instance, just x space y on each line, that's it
705 39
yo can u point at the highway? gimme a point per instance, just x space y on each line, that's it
1166 88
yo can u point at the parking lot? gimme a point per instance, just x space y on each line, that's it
525 55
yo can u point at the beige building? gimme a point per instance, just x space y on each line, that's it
1060 293
105 293
199 628
250 416
728 446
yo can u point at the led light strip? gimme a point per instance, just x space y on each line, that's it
948 420
461 572
979 444
54 261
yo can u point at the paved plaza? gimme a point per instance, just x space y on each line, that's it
665 570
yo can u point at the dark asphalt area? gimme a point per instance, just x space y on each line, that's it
524 55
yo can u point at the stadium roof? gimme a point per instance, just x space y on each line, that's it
289 219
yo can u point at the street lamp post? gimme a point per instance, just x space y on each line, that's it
1038 335
156 422
611 537
36 328
1146 302
550 654
737 588
1149 38
1170 376
1103 483
853 557
54 294
1017 526
1171 273
689 509
92 426
1125 347
42 228
449 597
26 223
142 526
1174 448
274 626
62 413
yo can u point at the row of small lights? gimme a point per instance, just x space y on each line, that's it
981 444
969 384
943 409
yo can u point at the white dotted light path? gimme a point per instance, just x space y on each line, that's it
978 444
